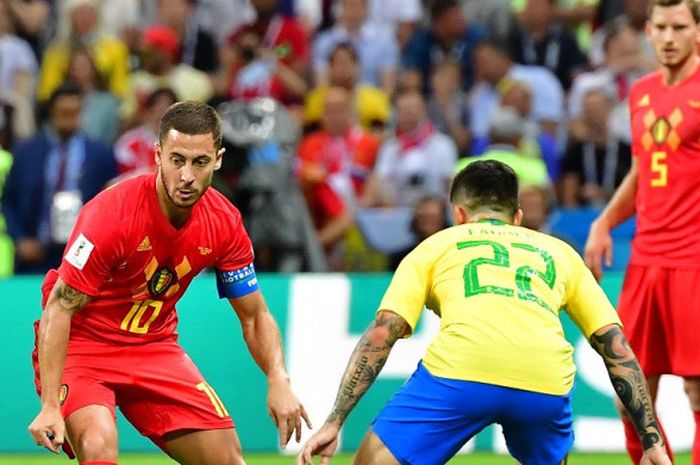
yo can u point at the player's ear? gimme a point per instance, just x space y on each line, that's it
219 158
157 154
460 215
518 218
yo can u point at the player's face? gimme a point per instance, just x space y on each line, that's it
187 163
674 34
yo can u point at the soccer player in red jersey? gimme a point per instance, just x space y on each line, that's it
659 305
107 334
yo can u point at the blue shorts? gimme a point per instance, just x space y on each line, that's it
429 419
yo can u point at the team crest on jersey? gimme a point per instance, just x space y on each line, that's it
660 130
62 394
161 281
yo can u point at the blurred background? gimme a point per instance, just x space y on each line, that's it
344 121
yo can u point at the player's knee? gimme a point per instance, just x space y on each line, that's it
692 390
95 446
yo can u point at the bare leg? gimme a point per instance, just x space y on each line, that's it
205 447
92 434
372 451
692 389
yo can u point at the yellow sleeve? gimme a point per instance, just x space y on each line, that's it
587 304
380 106
118 64
53 70
313 106
410 286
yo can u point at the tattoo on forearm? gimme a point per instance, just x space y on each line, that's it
629 383
366 362
70 299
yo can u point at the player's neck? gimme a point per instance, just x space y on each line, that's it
489 216
674 76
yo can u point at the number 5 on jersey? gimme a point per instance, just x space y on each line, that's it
659 168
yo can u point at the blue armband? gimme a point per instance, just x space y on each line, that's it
232 284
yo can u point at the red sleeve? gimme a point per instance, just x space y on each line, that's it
237 249
93 249
299 41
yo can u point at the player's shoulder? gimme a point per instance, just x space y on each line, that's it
216 205
648 82
122 194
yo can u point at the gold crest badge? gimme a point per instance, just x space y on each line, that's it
660 130
161 281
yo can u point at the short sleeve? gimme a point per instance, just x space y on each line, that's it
586 303
237 249
94 249
410 287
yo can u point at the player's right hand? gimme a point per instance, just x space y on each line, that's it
598 246
324 443
655 455
48 429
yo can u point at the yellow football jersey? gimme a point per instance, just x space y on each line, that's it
498 290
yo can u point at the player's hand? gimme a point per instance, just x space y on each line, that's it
323 443
286 410
655 455
48 429
598 246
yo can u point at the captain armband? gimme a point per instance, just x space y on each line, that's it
237 283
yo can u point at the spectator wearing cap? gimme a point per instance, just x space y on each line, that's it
449 36
376 48
198 48
82 30
415 161
371 105
59 170
160 49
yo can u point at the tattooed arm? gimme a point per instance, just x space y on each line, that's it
366 361
54 329
631 387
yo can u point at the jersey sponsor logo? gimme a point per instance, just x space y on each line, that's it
161 281
204 250
62 394
79 252
145 245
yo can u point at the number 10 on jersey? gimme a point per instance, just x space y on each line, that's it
132 322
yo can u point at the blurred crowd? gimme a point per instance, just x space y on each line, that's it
344 119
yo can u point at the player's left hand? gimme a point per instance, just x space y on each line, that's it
286 410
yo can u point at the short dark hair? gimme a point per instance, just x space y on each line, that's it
344 47
440 7
693 6
67 89
486 184
191 118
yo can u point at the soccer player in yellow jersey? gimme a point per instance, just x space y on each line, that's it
500 356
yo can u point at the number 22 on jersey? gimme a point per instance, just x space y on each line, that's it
522 277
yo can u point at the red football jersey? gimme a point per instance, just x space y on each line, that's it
666 144
125 254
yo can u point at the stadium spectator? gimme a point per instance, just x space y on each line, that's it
135 150
496 16
160 69
59 170
416 160
253 71
283 37
541 40
88 340
623 65
100 112
658 304
500 356
82 30
448 109
371 105
18 68
197 46
7 248
430 215
449 36
595 164
30 20
495 70
536 204
334 164
402 17
376 48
